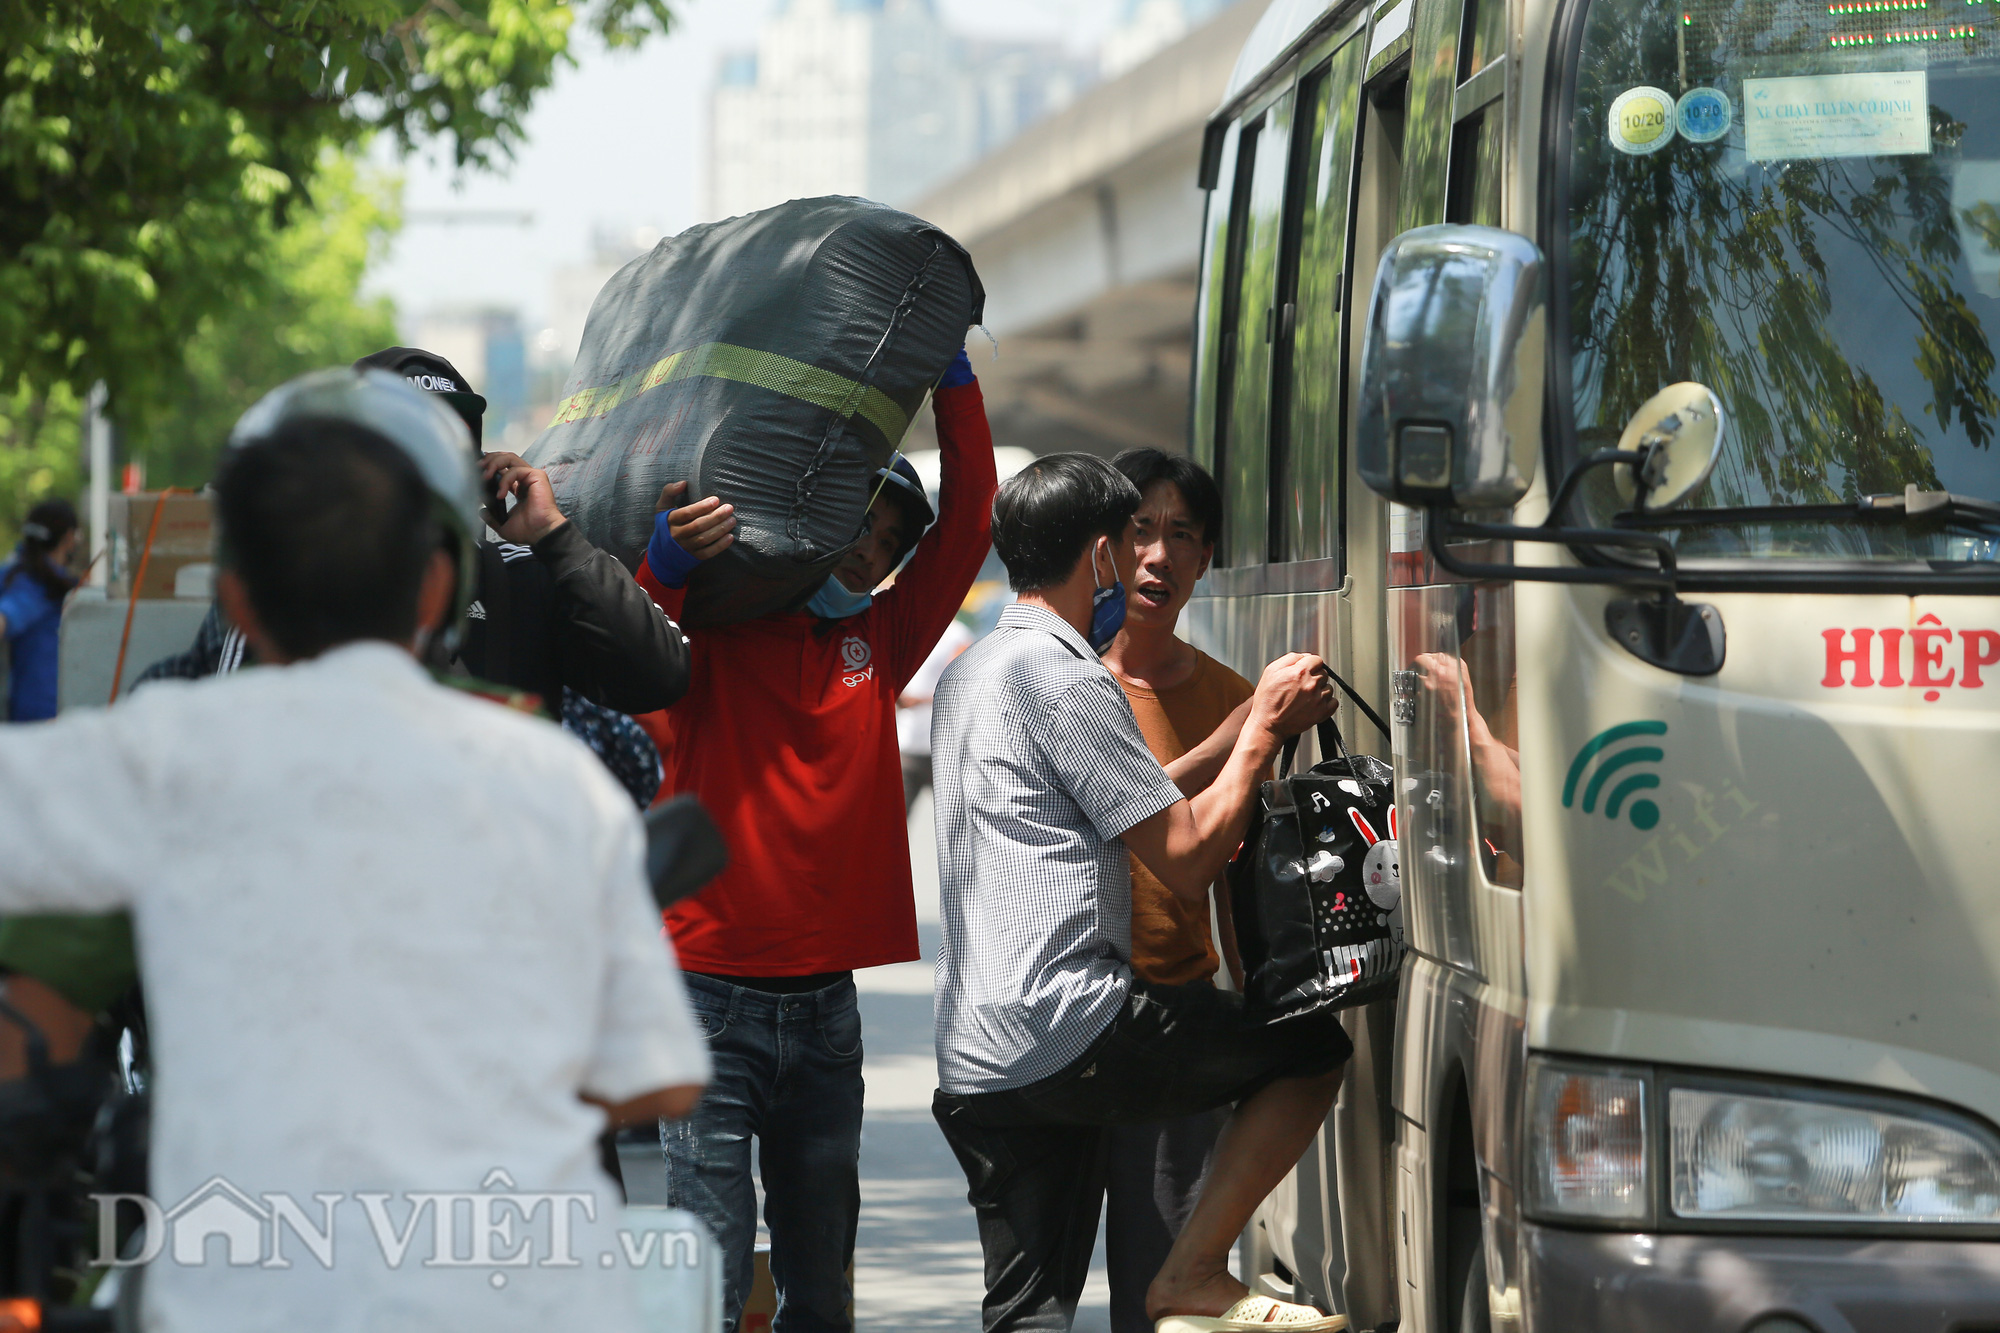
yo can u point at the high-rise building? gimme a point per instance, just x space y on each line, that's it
840 97
1146 26
1015 84
573 290
488 348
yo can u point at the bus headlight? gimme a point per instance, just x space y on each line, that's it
1587 1143
1811 1158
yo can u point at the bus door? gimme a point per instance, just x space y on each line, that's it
1460 1046
1293 233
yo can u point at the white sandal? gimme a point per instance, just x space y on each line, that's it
1252 1313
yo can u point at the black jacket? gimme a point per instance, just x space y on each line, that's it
562 613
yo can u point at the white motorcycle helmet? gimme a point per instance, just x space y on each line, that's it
422 425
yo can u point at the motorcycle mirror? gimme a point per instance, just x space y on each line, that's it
684 849
1680 429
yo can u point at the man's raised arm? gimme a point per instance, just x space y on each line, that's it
617 648
1187 844
932 586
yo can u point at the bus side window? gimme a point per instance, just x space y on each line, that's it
1307 442
1378 182
1477 146
1485 36
1485 711
1249 316
1478 139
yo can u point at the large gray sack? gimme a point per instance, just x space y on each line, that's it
774 360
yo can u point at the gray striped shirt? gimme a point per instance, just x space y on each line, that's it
1037 768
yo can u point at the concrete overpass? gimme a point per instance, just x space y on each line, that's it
1086 229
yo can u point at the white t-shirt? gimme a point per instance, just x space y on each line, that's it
913 721
388 932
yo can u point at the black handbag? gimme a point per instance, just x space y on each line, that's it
1316 889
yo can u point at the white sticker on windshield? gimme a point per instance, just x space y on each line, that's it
1703 115
1642 120
1837 115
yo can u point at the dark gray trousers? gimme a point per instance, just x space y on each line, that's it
1152 1174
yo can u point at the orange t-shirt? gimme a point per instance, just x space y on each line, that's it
1171 945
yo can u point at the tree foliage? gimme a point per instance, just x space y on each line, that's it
41 453
1805 292
149 148
303 309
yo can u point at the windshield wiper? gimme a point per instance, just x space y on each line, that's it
1925 504
1912 504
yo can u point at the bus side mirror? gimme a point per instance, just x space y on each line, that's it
1451 378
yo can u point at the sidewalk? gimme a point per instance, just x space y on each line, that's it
916 1262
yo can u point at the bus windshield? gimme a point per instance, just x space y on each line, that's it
1798 204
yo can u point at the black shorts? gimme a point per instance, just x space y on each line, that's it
1034 1157
1170 1052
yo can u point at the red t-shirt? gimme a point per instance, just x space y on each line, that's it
788 736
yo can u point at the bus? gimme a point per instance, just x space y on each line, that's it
1604 388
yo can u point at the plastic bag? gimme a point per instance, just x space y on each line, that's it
774 360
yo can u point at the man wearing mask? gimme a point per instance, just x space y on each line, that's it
788 735
1045 1036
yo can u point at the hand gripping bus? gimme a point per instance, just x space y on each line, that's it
1610 386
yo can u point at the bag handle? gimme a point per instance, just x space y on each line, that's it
1330 747
1329 734
1362 704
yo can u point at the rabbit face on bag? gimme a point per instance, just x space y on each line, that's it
1382 868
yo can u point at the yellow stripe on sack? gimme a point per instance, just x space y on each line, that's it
744 365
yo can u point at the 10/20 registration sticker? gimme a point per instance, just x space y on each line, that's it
1641 120
1703 115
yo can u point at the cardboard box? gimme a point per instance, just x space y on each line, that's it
182 558
762 1304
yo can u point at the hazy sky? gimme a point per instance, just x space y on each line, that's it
619 140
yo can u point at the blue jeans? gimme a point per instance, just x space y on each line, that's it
788 1071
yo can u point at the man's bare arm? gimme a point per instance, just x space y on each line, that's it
1193 771
1187 844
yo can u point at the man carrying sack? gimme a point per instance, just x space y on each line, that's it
788 736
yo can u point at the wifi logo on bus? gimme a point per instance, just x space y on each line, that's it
1642 812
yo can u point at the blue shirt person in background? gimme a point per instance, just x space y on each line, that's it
32 587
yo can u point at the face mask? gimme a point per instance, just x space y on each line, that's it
834 601
1107 608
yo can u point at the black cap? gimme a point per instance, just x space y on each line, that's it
433 374
901 483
